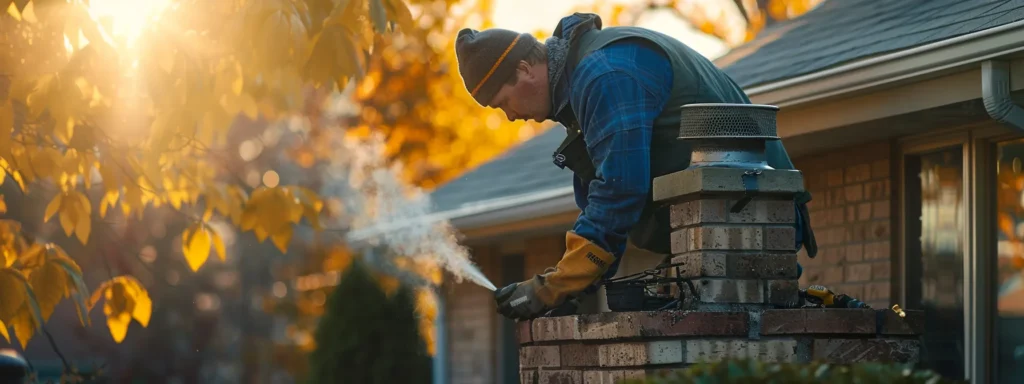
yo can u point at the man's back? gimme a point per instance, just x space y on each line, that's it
660 63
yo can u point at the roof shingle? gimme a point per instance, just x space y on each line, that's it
841 31
524 169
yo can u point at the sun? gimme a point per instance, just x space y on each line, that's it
128 17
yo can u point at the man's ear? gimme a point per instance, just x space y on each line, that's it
524 67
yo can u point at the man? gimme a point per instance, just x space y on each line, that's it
618 91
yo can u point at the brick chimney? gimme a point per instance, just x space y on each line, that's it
741 260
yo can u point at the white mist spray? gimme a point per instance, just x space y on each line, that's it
381 211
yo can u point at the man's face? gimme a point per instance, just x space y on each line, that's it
527 98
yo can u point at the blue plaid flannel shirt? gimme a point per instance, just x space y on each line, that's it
616 99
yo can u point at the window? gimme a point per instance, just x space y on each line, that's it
1009 277
934 240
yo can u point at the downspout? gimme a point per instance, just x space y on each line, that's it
995 93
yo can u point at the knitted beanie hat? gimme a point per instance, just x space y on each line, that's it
488 58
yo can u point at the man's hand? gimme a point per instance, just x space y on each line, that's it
581 266
519 301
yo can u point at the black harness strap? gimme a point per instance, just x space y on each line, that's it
749 190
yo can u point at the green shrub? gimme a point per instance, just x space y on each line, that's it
367 337
752 371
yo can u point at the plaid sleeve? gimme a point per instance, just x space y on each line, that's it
616 99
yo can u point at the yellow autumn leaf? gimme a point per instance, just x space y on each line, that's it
261 234
281 239
49 284
24 327
118 325
218 245
3 331
71 274
196 246
124 299
3 204
53 207
83 228
143 307
12 297
69 214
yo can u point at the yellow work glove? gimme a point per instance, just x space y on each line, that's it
582 265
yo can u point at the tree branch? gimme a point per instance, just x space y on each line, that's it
53 344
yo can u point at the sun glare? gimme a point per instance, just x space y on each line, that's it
128 17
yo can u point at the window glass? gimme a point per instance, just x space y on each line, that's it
935 254
1009 322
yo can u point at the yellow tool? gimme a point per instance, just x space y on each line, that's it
899 311
819 295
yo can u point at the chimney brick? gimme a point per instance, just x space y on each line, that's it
560 377
524 331
539 356
693 323
726 238
527 376
779 350
738 264
556 328
579 355
612 377
780 238
760 211
640 354
782 293
849 351
730 291
681 240
818 321
698 264
697 212
692 182
609 326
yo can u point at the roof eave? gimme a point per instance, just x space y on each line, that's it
554 201
482 214
892 68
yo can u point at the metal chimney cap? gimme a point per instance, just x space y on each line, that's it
724 120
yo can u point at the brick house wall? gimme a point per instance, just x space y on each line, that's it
542 252
853 219
470 321
473 342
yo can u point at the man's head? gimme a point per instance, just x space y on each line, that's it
505 70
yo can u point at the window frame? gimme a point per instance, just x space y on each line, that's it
978 143
985 310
